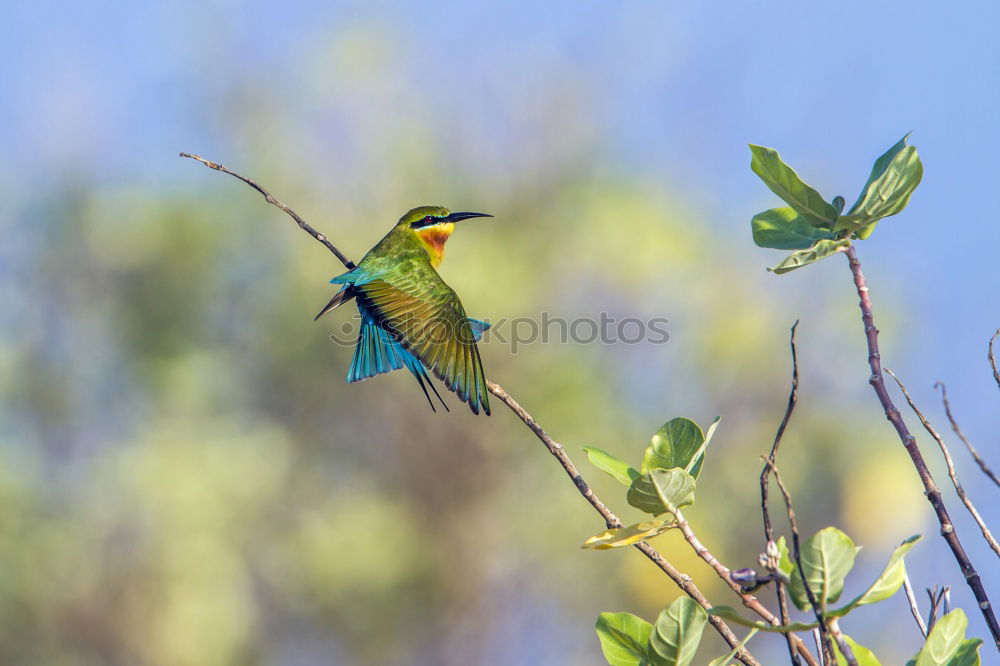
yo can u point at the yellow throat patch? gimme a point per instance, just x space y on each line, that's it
434 237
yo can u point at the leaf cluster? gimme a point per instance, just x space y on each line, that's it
816 229
664 483
628 640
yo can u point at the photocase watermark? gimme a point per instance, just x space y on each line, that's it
520 331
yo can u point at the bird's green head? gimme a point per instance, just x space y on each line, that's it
433 225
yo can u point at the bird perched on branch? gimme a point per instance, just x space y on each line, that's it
409 317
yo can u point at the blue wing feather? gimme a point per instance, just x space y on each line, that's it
358 275
478 328
376 352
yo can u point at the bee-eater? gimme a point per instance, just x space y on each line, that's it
409 316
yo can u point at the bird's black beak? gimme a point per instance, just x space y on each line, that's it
455 217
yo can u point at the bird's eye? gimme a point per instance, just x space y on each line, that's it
428 219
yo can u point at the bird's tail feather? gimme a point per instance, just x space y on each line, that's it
421 374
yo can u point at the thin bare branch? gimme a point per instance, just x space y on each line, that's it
938 596
914 609
845 648
824 630
993 359
877 382
952 474
683 581
818 640
765 476
958 431
274 202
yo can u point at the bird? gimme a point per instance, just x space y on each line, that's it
409 316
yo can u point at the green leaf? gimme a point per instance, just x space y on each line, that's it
849 222
894 176
726 658
967 653
891 191
879 168
662 491
730 614
693 466
887 583
675 444
606 462
944 641
623 638
865 231
862 655
784 182
628 536
784 229
820 250
677 633
826 557
785 563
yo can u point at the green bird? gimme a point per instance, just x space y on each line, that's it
409 317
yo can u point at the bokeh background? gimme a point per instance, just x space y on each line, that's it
185 478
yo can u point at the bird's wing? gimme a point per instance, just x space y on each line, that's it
426 317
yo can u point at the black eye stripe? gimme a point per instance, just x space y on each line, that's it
425 221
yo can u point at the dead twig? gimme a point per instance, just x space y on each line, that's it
824 629
914 609
952 474
818 640
958 431
993 359
765 476
940 597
